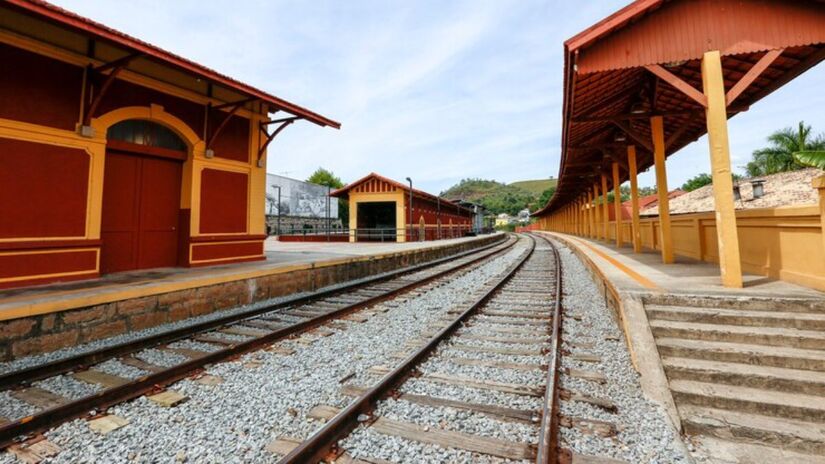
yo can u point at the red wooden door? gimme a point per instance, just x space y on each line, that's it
141 201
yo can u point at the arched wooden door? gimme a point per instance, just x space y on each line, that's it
141 197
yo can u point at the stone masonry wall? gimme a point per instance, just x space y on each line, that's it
49 332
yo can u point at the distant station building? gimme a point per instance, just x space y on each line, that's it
478 215
379 210
293 205
116 155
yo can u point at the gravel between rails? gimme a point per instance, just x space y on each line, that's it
645 434
233 421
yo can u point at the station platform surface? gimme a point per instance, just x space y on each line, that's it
645 273
281 257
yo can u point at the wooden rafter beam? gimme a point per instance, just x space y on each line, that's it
755 71
629 116
118 63
625 127
678 83
234 104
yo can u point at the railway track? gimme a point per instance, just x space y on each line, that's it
509 337
497 362
220 339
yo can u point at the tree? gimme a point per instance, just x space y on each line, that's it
814 159
545 196
697 181
325 177
779 157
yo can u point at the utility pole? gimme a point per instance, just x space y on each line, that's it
278 223
411 209
328 207
438 217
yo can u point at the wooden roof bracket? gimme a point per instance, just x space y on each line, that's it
115 66
234 107
678 84
270 137
755 71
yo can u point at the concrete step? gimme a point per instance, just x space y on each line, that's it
749 400
736 426
778 379
755 355
739 334
788 320
803 305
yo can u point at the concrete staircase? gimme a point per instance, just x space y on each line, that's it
751 376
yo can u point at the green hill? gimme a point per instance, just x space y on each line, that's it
498 197
536 187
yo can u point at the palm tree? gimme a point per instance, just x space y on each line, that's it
779 157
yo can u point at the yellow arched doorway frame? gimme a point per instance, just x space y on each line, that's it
155 113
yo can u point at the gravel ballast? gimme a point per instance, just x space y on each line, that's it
645 434
258 402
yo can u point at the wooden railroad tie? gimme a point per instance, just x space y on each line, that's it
435 436
500 412
100 378
35 451
107 423
39 397
503 387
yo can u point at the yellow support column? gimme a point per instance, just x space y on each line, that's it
636 235
717 121
617 204
590 216
605 210
658 130
597 212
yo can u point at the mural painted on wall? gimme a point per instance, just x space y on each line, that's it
298 198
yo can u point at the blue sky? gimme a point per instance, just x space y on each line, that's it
434 90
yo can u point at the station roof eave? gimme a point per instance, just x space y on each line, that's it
645 60
343 192
72 28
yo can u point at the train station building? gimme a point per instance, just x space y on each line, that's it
380 210
116 155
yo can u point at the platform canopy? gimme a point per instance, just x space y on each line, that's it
646 61
116 51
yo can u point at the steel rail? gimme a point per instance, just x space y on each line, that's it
60 366
548 449
324 442
45 419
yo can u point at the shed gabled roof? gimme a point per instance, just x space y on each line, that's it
44 11
343 192
610 92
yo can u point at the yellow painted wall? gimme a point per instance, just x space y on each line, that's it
356 198
784 243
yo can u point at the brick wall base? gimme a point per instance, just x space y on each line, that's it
49 332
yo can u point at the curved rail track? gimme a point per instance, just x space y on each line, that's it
230 335
533 330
